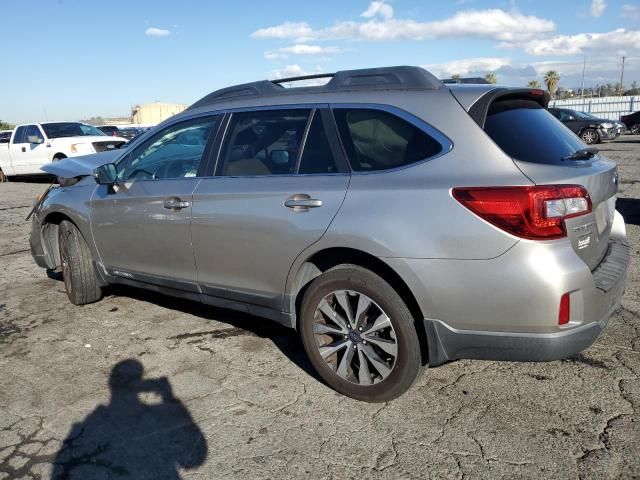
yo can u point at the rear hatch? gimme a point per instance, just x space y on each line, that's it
540 145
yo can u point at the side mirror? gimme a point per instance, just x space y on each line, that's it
279 157
106 174
35 139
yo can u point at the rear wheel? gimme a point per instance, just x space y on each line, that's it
3 177
589 136
78 272
635 129
360 335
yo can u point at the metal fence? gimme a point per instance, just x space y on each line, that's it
604 107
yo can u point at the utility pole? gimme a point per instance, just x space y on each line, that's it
622 78
584 66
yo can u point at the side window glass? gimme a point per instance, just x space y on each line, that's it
174 152
34 133
263 143
379 140
317 156
19 137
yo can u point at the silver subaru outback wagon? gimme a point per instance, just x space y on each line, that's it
392 220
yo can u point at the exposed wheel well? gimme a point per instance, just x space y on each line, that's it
59 156
50 226
326 259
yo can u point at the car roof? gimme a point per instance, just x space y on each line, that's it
370 80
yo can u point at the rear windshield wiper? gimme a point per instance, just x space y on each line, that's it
582 154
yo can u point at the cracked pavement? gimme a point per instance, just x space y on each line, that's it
226 395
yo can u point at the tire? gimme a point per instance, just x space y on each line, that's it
58 156
634 129
78 271
3 177
393 375
590 136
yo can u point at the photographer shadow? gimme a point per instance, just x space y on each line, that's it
132 438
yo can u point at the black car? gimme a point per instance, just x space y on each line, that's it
130 132
632 121
110 130
5 135
589 128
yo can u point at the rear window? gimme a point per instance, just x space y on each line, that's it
525 131
378 140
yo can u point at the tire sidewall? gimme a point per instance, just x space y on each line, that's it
408 360
596 136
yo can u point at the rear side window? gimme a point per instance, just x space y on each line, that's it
378 140
263 143
20 136
525 131
317 156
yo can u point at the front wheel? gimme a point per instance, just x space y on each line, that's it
78 272
634 129
360 335
589 136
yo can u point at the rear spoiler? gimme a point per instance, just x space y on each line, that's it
480 108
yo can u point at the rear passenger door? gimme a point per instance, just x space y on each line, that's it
279 180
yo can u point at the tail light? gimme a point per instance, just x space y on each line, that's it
532 212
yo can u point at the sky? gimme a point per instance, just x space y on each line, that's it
74 59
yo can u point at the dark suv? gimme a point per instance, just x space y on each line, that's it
109 130
632 122
589 128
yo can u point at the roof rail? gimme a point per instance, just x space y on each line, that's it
473 80
402 77
303 77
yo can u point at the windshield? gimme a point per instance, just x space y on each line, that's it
70 129
583 115
525 131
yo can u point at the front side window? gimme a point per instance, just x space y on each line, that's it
34 135
174 152
263 143
379 140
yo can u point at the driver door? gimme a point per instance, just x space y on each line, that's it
141 226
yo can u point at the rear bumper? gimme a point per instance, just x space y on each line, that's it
446 343
506 308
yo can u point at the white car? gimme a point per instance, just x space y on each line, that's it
37 144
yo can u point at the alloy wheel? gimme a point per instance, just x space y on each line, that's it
355 337
589 137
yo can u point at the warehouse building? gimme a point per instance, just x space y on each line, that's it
154 113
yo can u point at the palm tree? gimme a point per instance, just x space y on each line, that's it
533 84
491 77
552 79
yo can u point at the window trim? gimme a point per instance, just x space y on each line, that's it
126 158
445 142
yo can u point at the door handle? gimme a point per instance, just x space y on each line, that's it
175 204
24 149
301 202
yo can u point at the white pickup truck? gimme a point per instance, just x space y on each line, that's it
36 144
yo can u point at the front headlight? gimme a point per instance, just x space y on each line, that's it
607 125
82 148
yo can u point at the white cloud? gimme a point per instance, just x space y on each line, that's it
301 49
157 32
468 65
378 8
285 30
631 11
615 42
492 23
598 7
